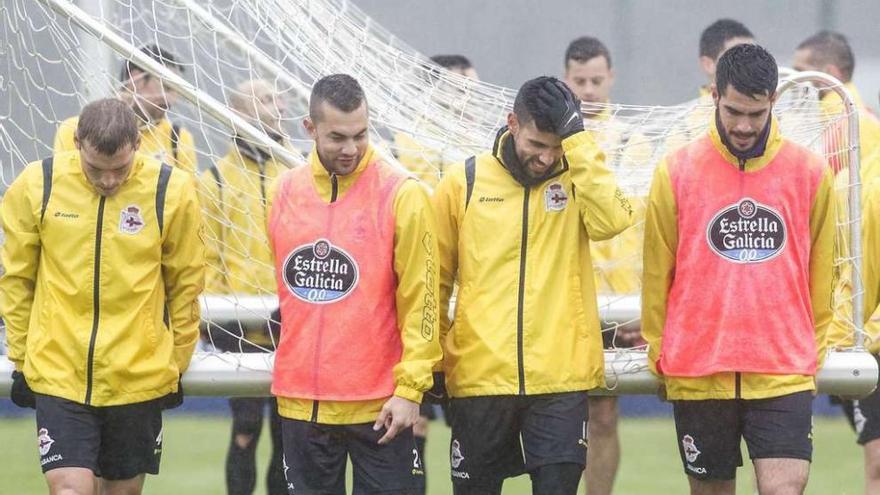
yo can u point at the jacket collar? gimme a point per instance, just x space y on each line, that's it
322 175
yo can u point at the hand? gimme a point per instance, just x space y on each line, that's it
437 394
559 103
174 399
397 415
21 394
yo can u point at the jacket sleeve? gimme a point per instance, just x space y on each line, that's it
661 244
186 152
21 257
415 264
448 204
823 228
210 199
604 208
183 269
871 264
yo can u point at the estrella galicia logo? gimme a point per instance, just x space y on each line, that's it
747 232
320 273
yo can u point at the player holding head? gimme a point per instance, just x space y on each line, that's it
525 346
233 195
105 239
150 98
829 52
458 64
589 75
737 287
716 39
353 240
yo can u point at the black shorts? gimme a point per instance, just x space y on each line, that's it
709 432
247 413
115 442
498 437
315 459
863 415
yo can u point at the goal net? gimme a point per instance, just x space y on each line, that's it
56 57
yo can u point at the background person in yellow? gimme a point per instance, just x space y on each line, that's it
150 99
738 275
514 229
100 334
588 73
233 194
353 239
427 162
829 52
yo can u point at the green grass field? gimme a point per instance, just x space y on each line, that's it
195 448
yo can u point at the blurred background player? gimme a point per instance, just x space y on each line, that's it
589 74
132 282
716 39
738 278
428 161
355 251
518 363
233 194
830 52
150 99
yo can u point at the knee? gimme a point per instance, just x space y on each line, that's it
794 485
243 441
603 421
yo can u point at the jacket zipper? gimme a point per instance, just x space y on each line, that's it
96 302
314 418
522 290
263 183
742 165
737 390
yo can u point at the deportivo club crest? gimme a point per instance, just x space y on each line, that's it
320 273
44 441
555 198
130 220
747 232
691 452
455 456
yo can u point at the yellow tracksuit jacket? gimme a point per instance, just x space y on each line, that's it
661 241
526 320
414 251
871 262
101 308
156 142
869 128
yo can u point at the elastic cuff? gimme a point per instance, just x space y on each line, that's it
19 365
577 139
408 394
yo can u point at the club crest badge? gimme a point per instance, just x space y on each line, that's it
555 198
455 456
691 452
44 441
747 232
130 220
320 273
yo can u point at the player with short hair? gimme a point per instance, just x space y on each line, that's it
150 99
104 265
716 39
590 76
738 276
830 52
514 230
353 239
234 198
458 64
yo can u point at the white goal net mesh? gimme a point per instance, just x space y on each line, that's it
422 118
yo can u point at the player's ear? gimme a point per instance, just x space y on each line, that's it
707 64
512 123
833 70
137 144
714 90
772 97
310 127
611 76
76 142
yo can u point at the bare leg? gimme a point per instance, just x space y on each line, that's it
603 454
872 467
712 487
71 481
131 486
782 476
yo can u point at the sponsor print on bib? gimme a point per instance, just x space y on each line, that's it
320 273
747 232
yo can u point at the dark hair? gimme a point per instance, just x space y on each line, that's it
718 33
164 57
830 48
107 125
525 106
341 91
749 68
452 62
586 48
